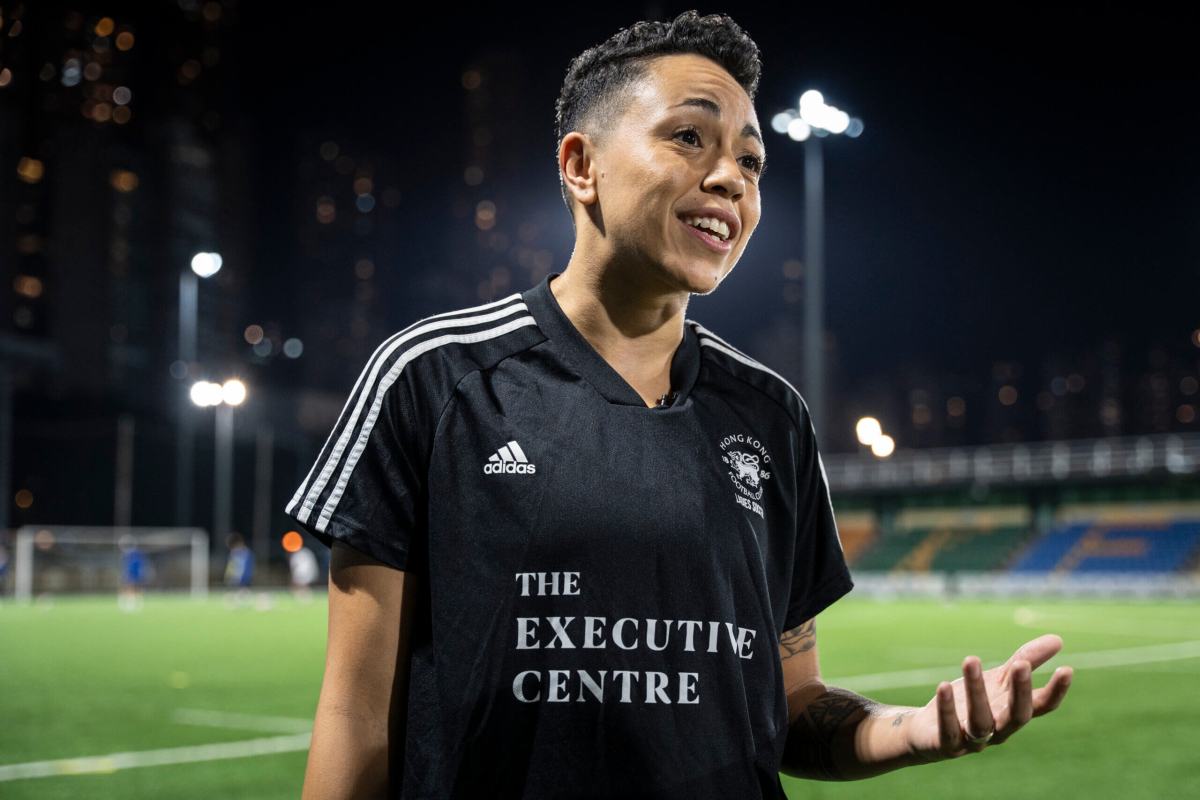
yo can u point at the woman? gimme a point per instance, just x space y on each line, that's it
579 540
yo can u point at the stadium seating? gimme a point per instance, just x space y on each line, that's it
1109 538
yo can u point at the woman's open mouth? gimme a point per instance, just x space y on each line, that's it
711 240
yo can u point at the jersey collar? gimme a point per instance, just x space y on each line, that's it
571 345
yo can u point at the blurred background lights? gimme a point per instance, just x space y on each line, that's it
253 334
868 430
28 286
233 392
883 446
326 210
798 130
485 215
30 170
206 264
206 393
72 72
292 541
816 113
123 180
293 348
44 538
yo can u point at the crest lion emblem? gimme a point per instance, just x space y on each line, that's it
747 468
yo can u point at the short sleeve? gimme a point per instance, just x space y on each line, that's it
367 485
820 575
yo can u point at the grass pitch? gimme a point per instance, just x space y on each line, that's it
79 678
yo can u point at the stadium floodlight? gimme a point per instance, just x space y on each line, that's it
225 397
206 264
883 446
206 393
824 118
868 430
798 130
233 392
810 121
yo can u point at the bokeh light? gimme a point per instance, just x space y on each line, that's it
292 541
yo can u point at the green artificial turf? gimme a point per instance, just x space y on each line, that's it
79 677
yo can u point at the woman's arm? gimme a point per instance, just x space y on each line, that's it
359 727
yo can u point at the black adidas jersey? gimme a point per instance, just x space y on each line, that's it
606 582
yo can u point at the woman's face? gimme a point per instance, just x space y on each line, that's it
689 140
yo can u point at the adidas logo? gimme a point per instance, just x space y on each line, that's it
509 459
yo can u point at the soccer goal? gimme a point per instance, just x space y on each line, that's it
75 559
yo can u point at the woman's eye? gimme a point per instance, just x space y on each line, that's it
755 162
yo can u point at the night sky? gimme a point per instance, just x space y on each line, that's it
1025 181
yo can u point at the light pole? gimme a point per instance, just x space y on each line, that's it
225 397
810 123
204 265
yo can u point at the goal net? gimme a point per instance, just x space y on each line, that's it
53 559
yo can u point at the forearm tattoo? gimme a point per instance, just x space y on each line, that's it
812 738
800 639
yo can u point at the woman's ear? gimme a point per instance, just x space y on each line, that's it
578 166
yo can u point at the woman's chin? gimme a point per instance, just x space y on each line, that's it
702 280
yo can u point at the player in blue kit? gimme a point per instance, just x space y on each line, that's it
134 574
579 540
239 570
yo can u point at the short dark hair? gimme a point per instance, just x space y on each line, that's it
599 81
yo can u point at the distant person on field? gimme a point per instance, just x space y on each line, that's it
239 569
3 566
304 568
133 574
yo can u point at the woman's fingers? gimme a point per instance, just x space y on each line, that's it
1037 651
1020 702
979 708
1047 698
949 728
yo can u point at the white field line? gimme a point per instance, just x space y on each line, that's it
931 676
91 765
245 722
1055 620
300 741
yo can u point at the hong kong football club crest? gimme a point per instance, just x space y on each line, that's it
749 468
